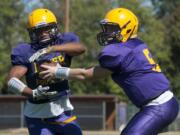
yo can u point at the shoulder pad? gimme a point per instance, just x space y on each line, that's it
69 37
21 49
110 57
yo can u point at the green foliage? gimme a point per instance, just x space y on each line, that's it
10 33
164 7
84 20
173 40
85 16
169 12
158 27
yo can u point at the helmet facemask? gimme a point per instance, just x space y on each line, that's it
43 35
110 33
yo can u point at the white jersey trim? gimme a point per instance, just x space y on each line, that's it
48 110
163 98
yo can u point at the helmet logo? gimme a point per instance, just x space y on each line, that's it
121 16
44 18
40 23
43 22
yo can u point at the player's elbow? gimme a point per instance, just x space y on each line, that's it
81 49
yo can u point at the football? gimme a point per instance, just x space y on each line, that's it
40 69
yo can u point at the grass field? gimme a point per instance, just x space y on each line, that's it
23 131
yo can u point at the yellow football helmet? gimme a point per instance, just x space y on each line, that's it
119 24
42 20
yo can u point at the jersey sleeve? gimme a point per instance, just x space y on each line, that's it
74 37
19 56
110 59
70 37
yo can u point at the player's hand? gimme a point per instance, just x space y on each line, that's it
42 93
49 72
40 54
52 72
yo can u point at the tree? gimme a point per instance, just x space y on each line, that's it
10 33
173 40
164 7
169 12
85 16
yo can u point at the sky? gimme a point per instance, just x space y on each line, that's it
31 4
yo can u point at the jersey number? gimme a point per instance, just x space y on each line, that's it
151 61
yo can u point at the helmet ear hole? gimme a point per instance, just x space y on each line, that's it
119 37
128 31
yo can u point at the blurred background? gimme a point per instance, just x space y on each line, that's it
106 107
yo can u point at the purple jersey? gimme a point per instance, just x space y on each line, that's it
20 56
134 70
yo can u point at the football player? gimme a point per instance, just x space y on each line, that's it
129 62
48 110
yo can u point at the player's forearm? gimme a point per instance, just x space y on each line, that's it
79 74
16 86
27 92
95 72
70 73
14 83
73 73
72 49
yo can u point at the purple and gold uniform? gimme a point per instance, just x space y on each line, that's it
55 111
142 80
20 56
132 70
